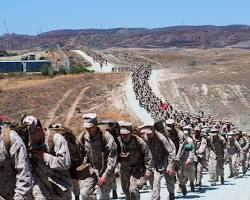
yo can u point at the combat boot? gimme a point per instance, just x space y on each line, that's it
192 186
213 183
222 181
199 188
77 197
171 196
114 194
184 190
179 189
231 175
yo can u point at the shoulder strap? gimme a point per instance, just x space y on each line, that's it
158 137
6 138
51 143
138 143
104 140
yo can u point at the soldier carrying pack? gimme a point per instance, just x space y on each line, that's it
78 170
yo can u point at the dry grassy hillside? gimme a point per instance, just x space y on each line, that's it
216 80
64 99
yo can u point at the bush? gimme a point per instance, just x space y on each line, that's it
77 69
3 53
12 54
78 110
62 70
6 53
11 74
47 71
2 76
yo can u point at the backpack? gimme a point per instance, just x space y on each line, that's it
77 169
21 129
4 122
114 129
6 138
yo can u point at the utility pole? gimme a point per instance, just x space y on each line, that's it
8 42
5 31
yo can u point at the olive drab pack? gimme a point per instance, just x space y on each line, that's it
77 169
6 138
5 131
114 129
21 129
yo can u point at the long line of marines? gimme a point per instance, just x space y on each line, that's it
39 162
148 153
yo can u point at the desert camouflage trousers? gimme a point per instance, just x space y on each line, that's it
199 168
233 162
185 173
155 182
131 184
215 168
88 188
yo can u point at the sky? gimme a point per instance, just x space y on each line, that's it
35 16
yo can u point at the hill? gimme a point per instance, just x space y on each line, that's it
176 36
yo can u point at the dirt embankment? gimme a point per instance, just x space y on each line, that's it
77 59
64 99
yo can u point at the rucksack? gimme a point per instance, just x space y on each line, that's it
114 129
6 138
21 129
4 122
77 169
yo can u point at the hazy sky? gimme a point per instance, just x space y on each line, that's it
33 16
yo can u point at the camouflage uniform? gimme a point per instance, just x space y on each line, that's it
51 175
233 151
216 146
179 140
248 153
101 153
244 143
199 158
163 153
185 172
15 173
133 170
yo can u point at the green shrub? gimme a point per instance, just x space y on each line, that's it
3 53
47 71
77 69
62 70
2 76
78 110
